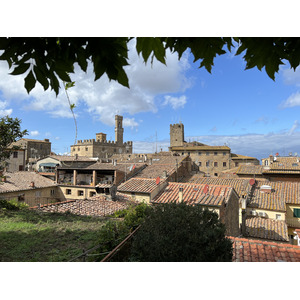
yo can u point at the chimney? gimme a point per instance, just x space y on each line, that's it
32 184
165 174
115 162
271 158
150 161
180 195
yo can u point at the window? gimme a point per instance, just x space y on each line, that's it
68 192
224 164
199 153
297 212
80 193
15 154
278 217
92 194
200 163
21 168
224 153
207 153
215 164
38 194
236 164
86 149
207 163
216 174
189 153
74 149
215 153
52 192
78 149
266 162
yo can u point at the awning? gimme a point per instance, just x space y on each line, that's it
53 165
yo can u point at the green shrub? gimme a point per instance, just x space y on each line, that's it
180 232
12 204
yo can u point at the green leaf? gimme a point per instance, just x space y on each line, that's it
63 75
122 78
42 79
22 68
30 82
69 85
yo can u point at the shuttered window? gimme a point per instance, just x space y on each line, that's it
297 212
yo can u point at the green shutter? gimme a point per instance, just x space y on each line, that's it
297 212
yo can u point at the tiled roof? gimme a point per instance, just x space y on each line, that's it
139 185
281 193
19 181
269 229
239 156
95 206
261 251
70 158
240 185
284 165
161 164
194 194
250 170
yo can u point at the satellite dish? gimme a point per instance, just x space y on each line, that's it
205 190
252 181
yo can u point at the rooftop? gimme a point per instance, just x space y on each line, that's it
161 164
140 185
269 229
250 170
20 181
211 195
262 251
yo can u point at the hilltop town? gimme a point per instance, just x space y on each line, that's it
259 203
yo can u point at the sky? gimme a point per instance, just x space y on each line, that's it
243 109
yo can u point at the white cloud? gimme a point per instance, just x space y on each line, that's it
34 133
294 127
293 100
175 102
3 111
103 99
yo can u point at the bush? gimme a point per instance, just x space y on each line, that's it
12 204
180 232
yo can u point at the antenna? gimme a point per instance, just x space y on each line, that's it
155 141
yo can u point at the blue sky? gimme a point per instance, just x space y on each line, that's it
244 109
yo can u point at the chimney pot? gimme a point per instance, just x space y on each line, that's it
180 195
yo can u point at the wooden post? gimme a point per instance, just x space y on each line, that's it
94 177
74 177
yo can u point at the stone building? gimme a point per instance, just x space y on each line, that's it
210 160
102 148
27 152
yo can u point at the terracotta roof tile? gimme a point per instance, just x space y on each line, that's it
267 229
194 194
262 251
140 185
19 181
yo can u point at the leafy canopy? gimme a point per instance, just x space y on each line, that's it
181 233
10 131
49 60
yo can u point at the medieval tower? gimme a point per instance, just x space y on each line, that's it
119 129
101 147
176 135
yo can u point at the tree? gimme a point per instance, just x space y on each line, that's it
10 131
48 60
180 232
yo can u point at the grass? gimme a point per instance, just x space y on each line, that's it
29 236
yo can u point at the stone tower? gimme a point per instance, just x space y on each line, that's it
176 135
119 129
